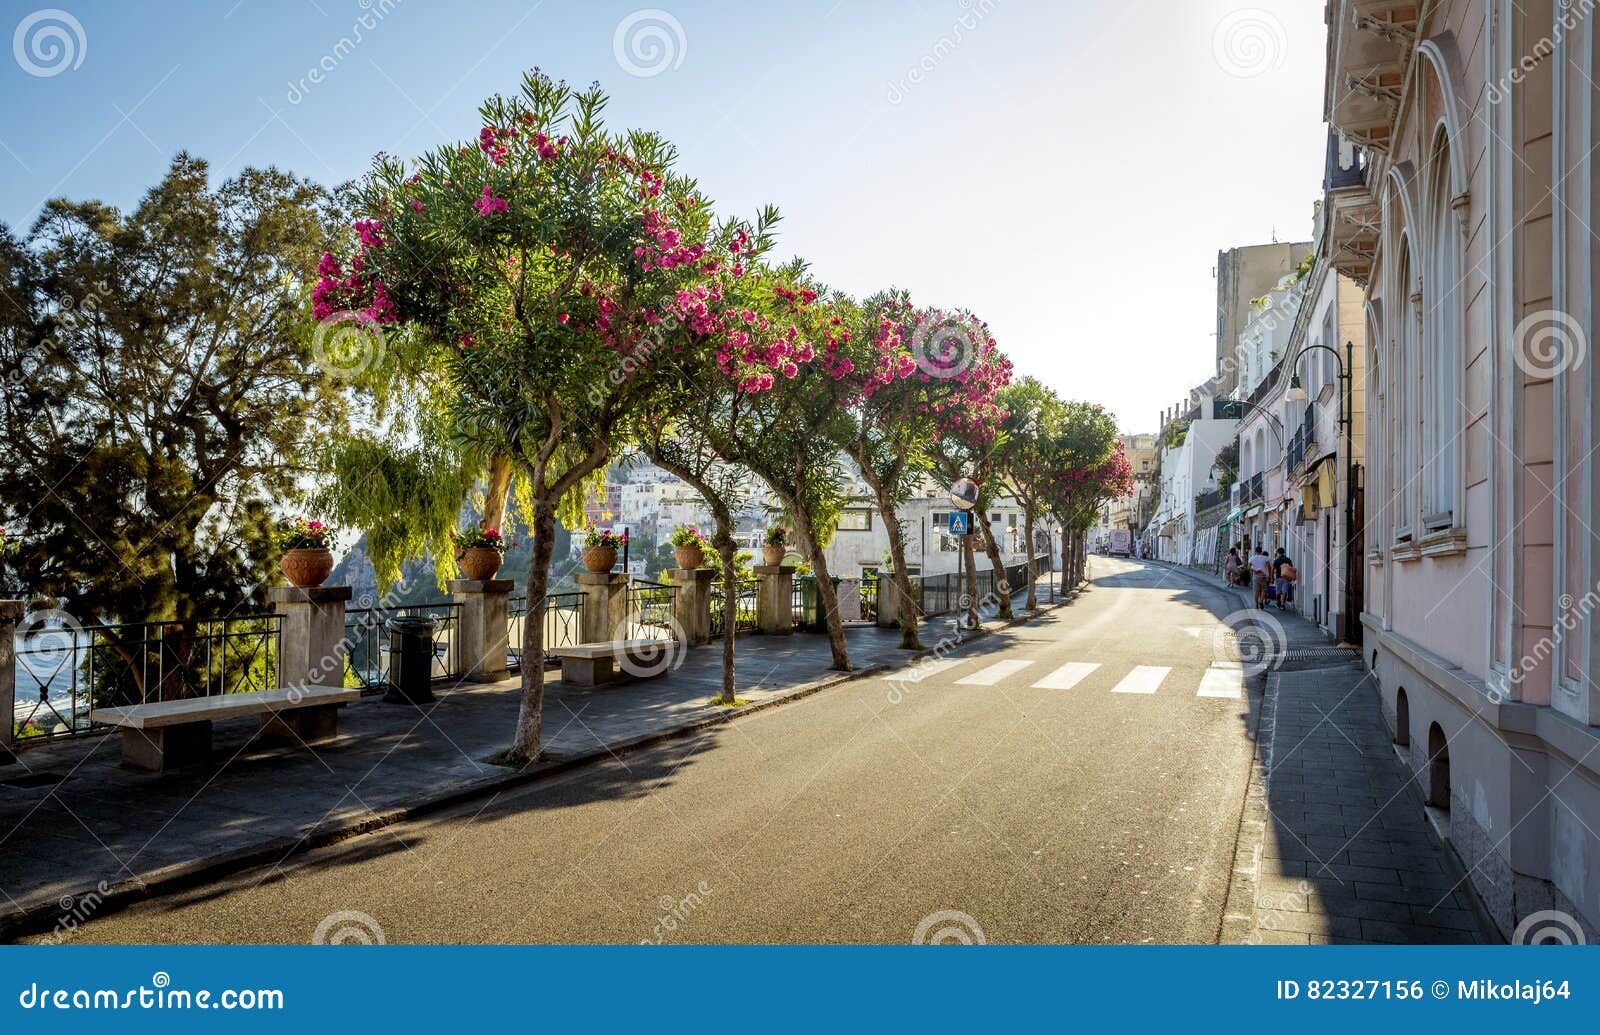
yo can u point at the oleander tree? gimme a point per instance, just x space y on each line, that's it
785 434
531 269
735 344
1027 459
965 372
889 421
1090 469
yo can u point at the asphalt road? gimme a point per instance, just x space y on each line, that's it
1037 813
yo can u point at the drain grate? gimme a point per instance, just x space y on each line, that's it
1317 653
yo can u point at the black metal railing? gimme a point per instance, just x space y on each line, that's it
64 670
366 641
650 611
744 608
869 600
563 625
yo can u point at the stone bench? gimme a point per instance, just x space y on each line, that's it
594 664
163 735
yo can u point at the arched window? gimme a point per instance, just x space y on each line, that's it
1441 353
1402 407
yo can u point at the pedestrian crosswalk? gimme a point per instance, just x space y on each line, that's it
1223 680
1144 679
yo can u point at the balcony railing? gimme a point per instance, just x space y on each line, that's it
744 618
63 670
650 609
366 641
563 625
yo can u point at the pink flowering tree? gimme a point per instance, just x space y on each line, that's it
531 268
785 432
966 372
733 348
1088 469
890 420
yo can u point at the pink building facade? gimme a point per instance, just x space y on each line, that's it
1472 242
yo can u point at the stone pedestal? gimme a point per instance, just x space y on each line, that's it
484 627
888 602
691 603
774 598
605 605
311 651
10 615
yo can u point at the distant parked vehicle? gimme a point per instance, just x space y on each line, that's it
1121 542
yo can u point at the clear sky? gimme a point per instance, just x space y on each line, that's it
1068 169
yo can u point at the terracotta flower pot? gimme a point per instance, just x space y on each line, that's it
306 566
773 555
599 559
690 557
481 562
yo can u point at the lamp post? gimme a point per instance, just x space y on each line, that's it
1297 393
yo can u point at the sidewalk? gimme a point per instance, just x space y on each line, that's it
77 831
1334 844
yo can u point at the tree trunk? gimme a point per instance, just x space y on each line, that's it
970 561
907 613
525 745
1066 559
991 549
826 594
1027 531
726 549
495 493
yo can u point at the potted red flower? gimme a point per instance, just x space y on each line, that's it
307 558
480 552
775 546
600 548
689 547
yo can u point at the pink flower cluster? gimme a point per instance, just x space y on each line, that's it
489 205
666 249
365 295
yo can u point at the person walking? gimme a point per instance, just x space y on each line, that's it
1283 574
1233 564
1260 574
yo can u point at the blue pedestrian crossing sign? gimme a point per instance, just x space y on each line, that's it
961 522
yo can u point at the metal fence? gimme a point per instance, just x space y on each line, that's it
63 670
650 611
563 625
745 608
869 600
366 641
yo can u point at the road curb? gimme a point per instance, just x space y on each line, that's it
43 914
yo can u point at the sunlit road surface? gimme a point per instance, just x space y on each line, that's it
1078 779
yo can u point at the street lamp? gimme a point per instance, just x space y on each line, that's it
1297 393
